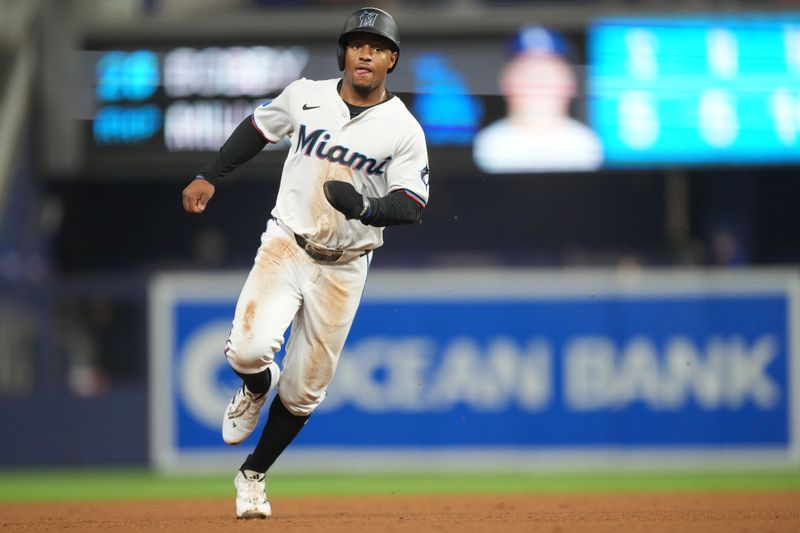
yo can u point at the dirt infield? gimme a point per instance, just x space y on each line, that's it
685 512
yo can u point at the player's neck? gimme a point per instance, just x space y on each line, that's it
362 98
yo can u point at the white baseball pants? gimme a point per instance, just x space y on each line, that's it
319 300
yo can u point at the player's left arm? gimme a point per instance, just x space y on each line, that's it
407 178
397 207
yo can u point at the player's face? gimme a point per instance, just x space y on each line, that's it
367 60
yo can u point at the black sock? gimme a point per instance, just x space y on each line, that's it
281 429
256 383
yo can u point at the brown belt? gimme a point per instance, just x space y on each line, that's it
317 253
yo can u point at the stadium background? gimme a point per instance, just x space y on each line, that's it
91 235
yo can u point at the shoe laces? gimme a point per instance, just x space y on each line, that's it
253 489
243 401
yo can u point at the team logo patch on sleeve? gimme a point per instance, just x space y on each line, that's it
423 175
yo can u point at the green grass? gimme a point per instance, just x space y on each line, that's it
140 484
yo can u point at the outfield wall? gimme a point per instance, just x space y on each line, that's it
509 369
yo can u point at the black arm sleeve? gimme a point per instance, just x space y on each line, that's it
393 209
243 144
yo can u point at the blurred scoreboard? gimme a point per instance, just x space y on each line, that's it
184 99
699 90
154 110
705 90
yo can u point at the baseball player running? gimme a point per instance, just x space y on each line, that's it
357 163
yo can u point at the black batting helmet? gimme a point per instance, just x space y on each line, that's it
369 20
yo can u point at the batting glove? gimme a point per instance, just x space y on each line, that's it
345 199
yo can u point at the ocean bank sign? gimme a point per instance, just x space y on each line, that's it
521 366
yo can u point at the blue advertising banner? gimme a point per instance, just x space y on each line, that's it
528 361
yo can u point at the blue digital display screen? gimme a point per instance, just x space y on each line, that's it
713 90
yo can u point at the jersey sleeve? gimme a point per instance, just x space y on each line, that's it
408 170
273 118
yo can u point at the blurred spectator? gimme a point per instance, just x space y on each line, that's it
81 348
101 339
726 248
538 134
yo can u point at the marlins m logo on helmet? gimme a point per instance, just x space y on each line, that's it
367 19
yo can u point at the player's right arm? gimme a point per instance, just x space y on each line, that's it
270 122
243 144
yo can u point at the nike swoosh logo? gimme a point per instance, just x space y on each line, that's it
306 107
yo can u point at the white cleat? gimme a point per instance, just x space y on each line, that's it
251 495
241 415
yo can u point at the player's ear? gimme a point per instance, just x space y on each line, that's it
392 59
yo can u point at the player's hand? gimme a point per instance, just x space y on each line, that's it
345 199
196 195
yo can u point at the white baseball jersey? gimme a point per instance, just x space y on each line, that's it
567 145
379 151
